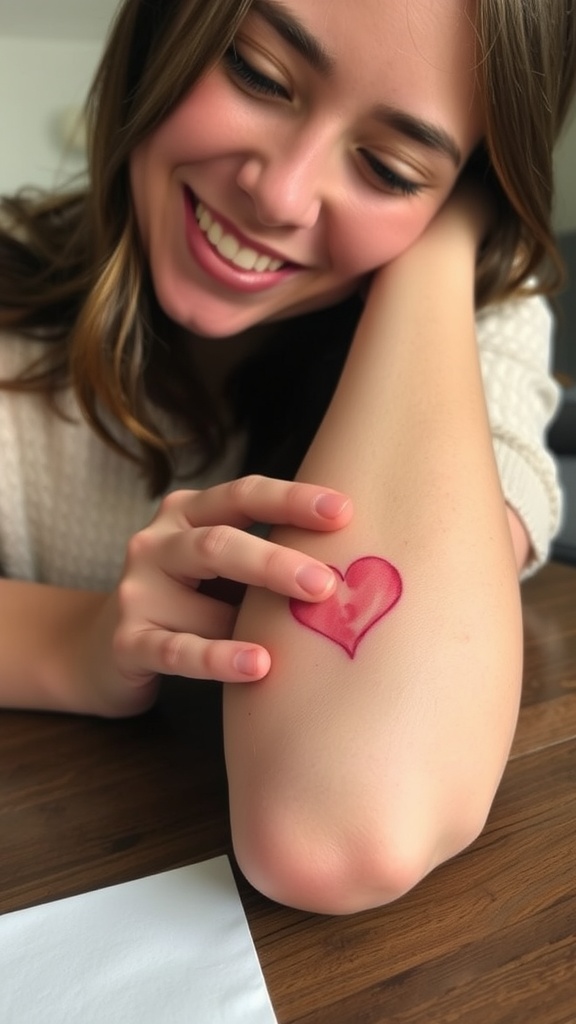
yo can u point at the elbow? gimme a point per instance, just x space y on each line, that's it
347 869
324 877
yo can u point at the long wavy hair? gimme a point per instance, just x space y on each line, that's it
71 266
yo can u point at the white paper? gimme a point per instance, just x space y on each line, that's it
168 949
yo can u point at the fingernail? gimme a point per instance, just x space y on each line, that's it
247 662
315 579
330 506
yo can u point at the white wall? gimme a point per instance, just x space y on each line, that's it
56 19
39 81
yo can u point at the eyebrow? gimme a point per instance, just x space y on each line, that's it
292 30
297 36
427 134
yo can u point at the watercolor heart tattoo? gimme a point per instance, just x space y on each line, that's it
365 593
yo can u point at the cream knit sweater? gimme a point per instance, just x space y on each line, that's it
68 503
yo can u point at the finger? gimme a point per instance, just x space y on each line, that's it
225 551
163 652
176 608
266 500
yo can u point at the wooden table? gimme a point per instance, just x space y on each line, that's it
489 938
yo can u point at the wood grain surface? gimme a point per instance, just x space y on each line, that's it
489 938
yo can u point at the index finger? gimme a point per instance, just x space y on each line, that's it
260 499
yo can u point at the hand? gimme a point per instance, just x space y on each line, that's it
470 205
165 625
464 222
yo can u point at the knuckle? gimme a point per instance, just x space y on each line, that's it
139 545
214 541
126 596
168 503
210 660
174 501
176 508
275 562
242 489
170 652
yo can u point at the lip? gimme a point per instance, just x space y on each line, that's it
220 269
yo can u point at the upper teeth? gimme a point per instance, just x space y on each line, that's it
230 248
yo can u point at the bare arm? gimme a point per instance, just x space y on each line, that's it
56 653
351 778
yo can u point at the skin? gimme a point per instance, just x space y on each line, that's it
367 591
291 172
342 783
351 779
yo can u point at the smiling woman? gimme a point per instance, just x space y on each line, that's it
300 147
303 288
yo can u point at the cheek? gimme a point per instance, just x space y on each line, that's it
368 242
205 121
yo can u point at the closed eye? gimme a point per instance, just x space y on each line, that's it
250 78
393 181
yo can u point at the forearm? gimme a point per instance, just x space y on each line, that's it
53 652
405 743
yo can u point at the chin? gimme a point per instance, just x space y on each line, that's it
209 317
197 316
201 330
219 325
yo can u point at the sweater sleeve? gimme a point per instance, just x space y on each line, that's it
514 340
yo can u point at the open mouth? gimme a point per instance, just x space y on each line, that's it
233 248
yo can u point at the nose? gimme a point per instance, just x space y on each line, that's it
286 186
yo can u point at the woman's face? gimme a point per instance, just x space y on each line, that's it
316 151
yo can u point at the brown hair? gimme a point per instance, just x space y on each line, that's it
528 79
71 268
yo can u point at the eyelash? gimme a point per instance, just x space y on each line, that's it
394 181
250 77
258 83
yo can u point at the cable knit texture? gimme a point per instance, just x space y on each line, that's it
68 503
515 351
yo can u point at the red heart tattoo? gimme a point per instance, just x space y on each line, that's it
367 591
